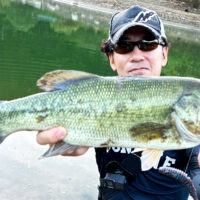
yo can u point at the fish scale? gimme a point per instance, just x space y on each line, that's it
106 111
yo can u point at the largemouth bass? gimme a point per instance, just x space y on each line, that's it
146 113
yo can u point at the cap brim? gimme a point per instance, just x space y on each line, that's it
121 31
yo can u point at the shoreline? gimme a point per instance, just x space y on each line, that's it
170 17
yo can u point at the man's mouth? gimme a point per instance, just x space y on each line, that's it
138 69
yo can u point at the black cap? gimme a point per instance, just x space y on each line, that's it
136 16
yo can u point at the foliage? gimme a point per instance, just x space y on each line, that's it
4 3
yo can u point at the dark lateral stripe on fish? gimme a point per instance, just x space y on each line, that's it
181 177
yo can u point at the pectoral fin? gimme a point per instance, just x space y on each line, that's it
150 158
59 148
139 150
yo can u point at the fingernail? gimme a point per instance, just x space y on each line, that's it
60 134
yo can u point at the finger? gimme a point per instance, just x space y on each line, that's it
51 136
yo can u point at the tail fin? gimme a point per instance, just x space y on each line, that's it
2 134
2 137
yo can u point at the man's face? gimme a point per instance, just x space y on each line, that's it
138 62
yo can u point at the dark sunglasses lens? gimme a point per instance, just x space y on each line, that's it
148 45
123 47
126 47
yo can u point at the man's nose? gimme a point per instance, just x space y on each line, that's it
136 55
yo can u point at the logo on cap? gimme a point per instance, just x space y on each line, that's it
144 16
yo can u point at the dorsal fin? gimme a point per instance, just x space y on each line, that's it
55 78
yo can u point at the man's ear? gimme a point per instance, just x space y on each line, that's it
165 56
112 62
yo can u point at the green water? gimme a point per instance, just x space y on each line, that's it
34 41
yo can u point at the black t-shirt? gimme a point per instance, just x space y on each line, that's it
150 184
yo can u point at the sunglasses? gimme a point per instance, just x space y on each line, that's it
123 47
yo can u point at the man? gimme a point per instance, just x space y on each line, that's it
137 45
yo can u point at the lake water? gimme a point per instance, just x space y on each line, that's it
40 36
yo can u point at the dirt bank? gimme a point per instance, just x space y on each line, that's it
172 11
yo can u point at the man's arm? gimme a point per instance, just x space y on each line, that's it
56 134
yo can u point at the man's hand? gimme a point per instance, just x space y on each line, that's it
56 134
